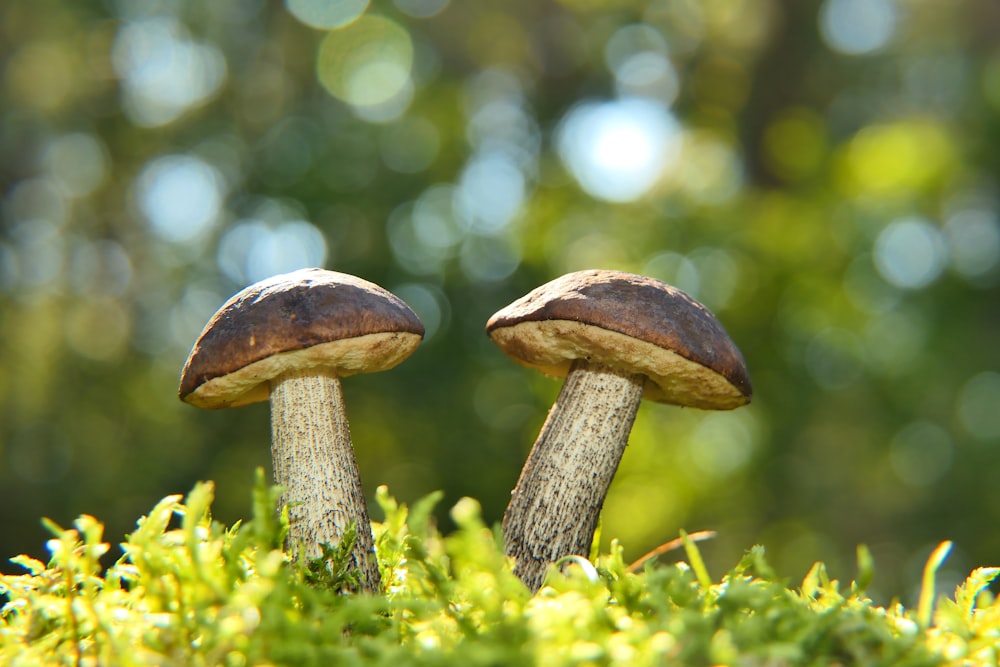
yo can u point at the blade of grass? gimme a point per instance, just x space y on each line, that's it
696 562
925 605
866 570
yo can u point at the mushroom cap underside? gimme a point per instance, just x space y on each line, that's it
309 319
630 322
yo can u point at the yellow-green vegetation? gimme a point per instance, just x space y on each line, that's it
190 591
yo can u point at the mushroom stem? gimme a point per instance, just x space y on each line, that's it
314 461
555 506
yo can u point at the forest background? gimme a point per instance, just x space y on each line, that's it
822 175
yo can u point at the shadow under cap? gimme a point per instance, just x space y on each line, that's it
311 318
629 322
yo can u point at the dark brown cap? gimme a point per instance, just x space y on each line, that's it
628 322
307 319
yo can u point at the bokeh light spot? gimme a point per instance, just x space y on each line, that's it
35 199
41 75
794 143
255 249
684 23
78 162
708 169
493 84
500 401
429 303
722 276
629 40
491 190
674 269
976 406
40 248
598 248
410 145
189 314
435 221
489 258
649 75
921 453
370 83
893 341
409 243
910 253
421 9
637 55
722 443
974 240
181 197
857 27
894 159
98 328
866 289
101 267
618 150
326 14
832 358
367 63
505 125
424 234
164 72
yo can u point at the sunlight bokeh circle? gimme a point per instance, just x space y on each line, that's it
367 63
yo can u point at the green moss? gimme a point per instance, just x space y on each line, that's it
189 591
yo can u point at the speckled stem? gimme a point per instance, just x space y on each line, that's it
555 506
314 460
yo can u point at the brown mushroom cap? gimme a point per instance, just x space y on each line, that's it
632 323
308 319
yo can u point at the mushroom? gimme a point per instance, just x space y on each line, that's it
290 338
616 337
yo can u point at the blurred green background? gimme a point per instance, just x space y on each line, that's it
823 175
